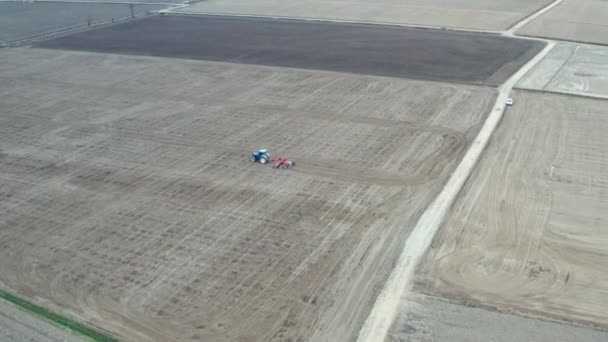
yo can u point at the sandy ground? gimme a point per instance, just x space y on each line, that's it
365 49
435 319
574 20
127 197
17 325
20 20
474 14
571 69
527 233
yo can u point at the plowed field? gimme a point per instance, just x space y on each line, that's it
528 233
128 202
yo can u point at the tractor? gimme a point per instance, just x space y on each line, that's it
261 156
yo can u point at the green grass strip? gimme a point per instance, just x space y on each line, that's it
56 318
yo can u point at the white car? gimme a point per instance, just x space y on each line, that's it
509 101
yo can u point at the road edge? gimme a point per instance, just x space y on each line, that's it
385 309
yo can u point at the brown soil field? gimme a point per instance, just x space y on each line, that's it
574 20
528 232
127 200
430 55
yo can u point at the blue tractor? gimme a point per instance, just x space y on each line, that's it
261 156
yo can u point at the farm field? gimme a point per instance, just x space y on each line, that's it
571 69
364 49
21 20
127 200
574 20
430 318
129 206
473 14
528 232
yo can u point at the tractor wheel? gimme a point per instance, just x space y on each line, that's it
252 158
263 160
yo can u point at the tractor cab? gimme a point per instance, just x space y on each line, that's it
261 156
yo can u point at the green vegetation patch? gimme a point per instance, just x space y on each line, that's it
56 318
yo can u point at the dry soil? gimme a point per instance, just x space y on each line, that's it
473 14
574 20
528 232
432 319
572 69
365 49
127 199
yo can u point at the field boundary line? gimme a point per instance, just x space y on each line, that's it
525 21
564 93
561 67
386 307
562 40
55 318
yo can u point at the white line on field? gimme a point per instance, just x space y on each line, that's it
511 32
173 7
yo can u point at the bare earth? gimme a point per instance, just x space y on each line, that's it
528 232
473 14
364 49
127 199
431 319
575 20
571 69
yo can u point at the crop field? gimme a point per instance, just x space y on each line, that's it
528 232
574 20
364 49
21 19
127 200
429 318
571 69
473 14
